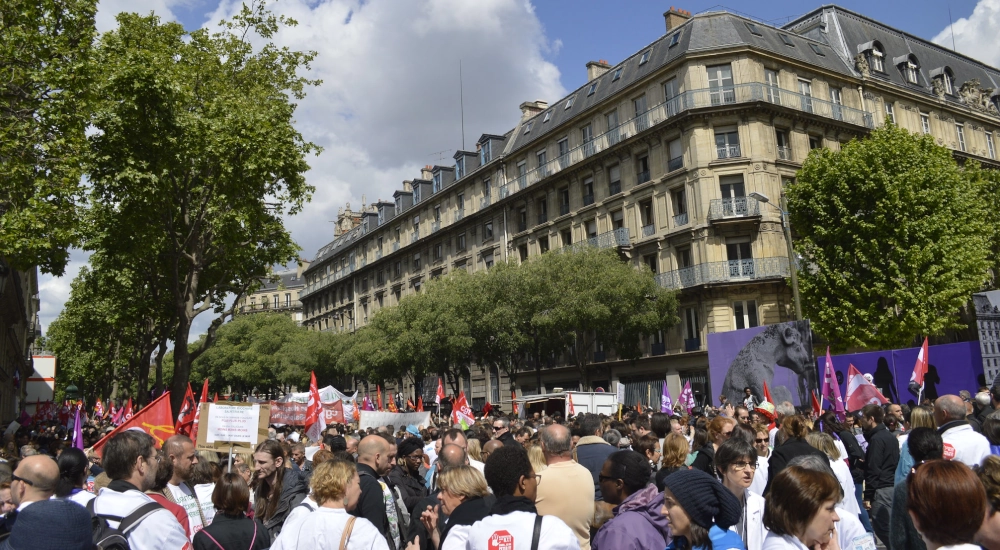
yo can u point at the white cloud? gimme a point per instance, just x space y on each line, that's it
389 103
975 36
53 292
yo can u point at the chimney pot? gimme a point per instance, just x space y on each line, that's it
596 69
675 17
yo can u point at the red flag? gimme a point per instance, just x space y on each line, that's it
356 414
638 406
113 413
185 419
487 408
216 398
513 396
197 410
860 391
315 419
815 403
420 404
440 393
461 413
99 409
379 405
128 411
154 419
391 407
767 394
409 403
572 410
919 370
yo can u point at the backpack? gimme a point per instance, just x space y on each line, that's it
106 537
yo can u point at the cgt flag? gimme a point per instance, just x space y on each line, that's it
440 393
831 389
420 404
665 402
197 410
861 392
315 418
916 385
154 419
185 419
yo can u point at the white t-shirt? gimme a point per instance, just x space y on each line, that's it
843 473
185 499
322 529
158 531
204 492
514 531
760 475
293 521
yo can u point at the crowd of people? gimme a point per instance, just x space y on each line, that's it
743 477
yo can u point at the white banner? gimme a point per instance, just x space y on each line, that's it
374 419
232 424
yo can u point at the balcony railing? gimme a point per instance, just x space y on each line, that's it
522 226
675 164
395 246
484 203
378 254
648 230
563 209
692 344
658 349
643 176
611 239
328 280
282 306
459 214
435 226
614 188
785 153
733 207
415 236
695 99
588 199
600 356
503 191
724 272
681 219
728 151
543 217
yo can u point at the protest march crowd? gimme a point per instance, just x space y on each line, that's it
751 475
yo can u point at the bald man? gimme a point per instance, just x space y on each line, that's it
490 446
568 491
373 463
34 480
961 442
180 452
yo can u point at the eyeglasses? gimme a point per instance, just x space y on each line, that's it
497 427
764 440
744 465
21 479
538 479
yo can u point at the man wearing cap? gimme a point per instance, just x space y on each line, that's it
405 474
131 462
34 480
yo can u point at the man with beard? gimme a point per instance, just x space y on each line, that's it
180 452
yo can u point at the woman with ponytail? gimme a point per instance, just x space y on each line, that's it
73 470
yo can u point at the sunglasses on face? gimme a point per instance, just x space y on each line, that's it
765 440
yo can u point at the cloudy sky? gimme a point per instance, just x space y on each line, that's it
389 102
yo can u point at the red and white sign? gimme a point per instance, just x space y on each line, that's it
501 540
949 452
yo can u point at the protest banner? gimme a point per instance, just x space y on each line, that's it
229 424
293 413
374 419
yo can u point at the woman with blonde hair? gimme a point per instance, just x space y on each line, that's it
475 449
920 417
675 452
719 430
462 489
336 488
824 442
537 458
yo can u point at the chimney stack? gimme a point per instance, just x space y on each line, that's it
426 173
532 108
675 17
596 69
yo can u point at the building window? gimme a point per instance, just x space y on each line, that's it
460 241
642 169
678 200
438 251
890 112
563 201
669 93
542 206
614 135
876 59
614 180
960 130
989 146
641 117
925 123
911 69
815 142
436 185
646 215
397 269
522 218
784 38
727 142
488 231
784 145
569 102
817 50
566 236
459 167
399 205
676 152
416 193
617 219
771 80
527 127
645 57
617 75
588 191
592 89
805 90
745 314
753 29
487 193
692 339
522 252
288 299
547 117
587 138
563 152
591 227
674 39
836 104
720 84
484 153
684 257
543 245
650 262
416 262
276 303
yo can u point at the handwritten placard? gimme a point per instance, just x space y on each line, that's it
232 424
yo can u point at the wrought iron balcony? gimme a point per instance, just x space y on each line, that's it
611 239
435 226
600 356
484 203
543 217
692 344
643 177
725 272
459 214
614 188
503 191
675 164
648 230
395 246
415 236
728 151
588 199
785 153
563 209
378 254
681 219
733 208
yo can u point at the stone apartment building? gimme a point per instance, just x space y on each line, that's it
280 293
19 328
677 157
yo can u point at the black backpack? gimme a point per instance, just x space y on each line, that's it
106 537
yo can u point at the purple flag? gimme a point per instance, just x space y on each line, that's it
687 397
831 389
665 403
78 431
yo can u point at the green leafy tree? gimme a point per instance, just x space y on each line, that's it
45 103
196 161
894 237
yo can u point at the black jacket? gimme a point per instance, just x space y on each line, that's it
467 513
855 455
412 487
782 455
704 460
508 440
293 491
417 527
232 533
371 503
880 460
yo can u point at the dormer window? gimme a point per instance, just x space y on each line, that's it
484 153
753 29
910 68
787 41
816 49
547 117
416 194
527 127
592 89
381 215
459 167
944 80
436 183
674 39
645 57
875 54
618 74
399 205
569 102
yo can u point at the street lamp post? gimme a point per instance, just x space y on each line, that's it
787 228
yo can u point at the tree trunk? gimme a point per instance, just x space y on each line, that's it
160 352
182 364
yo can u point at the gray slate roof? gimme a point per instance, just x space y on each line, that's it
289 278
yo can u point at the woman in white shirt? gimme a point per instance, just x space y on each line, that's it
736 461
800 510
947 504
336 488
825 443
73 469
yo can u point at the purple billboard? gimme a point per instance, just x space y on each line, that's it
951 368
780 355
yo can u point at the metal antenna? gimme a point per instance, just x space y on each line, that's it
951 25
461 101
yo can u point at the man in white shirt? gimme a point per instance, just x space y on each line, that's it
961 442
131 462
180 451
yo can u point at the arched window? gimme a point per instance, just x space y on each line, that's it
909 66
945 78
875 55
